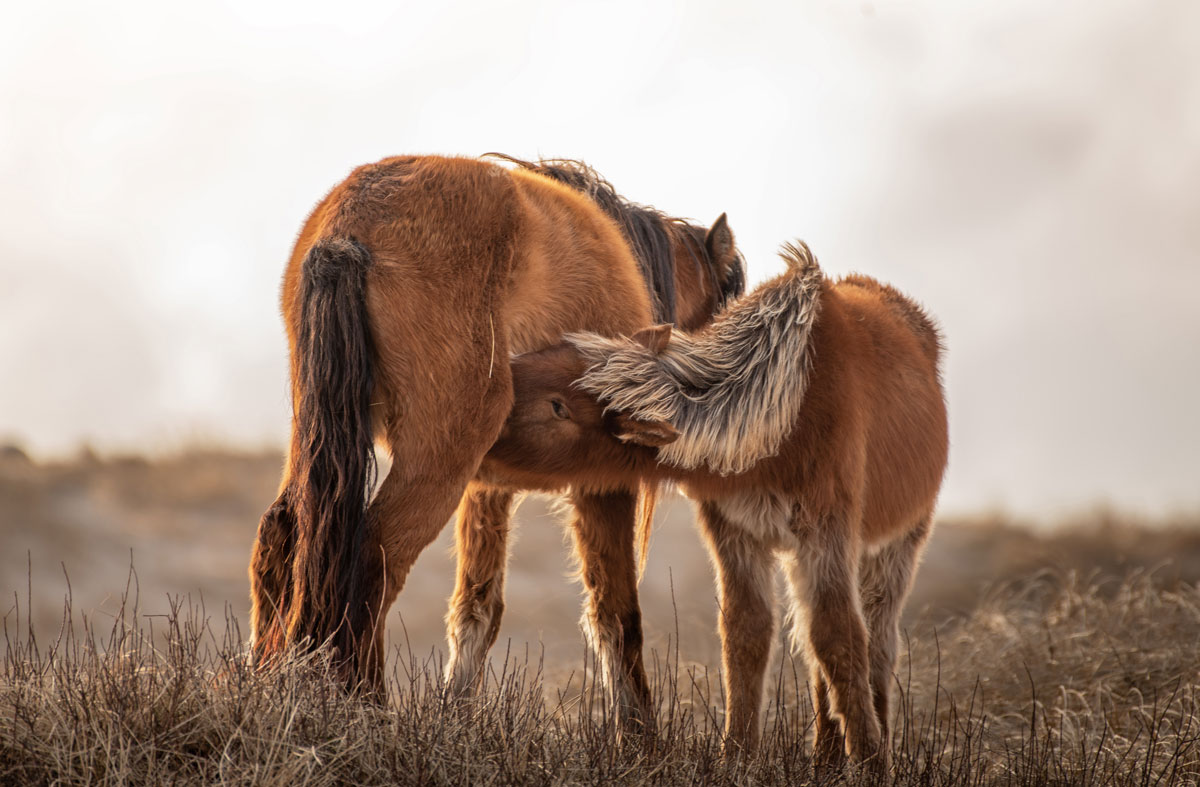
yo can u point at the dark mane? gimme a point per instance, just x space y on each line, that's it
649 232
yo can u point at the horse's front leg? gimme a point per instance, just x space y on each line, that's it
603 527
481 545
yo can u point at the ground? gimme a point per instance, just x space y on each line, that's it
1033 655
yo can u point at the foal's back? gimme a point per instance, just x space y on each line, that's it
873 426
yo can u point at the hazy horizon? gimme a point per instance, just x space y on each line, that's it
1031 177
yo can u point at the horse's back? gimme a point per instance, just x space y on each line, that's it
539 256
431 216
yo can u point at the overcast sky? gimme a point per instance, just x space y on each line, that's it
1032 176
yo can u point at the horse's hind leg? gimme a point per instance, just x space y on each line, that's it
603 527
438 412
886 579
481 545
824 579
413 504
271 576
747 620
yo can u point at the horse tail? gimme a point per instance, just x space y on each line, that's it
648 492
333 461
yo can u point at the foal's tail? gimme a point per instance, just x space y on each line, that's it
333 463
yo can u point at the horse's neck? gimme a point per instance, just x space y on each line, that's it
694 299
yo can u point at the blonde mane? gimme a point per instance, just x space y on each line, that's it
734 390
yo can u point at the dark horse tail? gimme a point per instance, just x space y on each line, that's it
333 462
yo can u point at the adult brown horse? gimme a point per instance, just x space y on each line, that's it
809 424
410 284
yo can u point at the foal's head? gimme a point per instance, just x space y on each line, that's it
559 434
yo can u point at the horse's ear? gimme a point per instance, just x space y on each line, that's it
628 429
718 242
654 338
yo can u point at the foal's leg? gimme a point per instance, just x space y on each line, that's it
747 620
481 544
829 744
825 580
603 527
886 579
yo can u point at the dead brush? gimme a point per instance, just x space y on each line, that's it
1051 681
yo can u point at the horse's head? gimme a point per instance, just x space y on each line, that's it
558 434
707 281
693 271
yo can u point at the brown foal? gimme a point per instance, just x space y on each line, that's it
808 423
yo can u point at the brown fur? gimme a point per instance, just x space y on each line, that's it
732 392
416 277
846 501
689 273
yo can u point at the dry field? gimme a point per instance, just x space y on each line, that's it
1066 657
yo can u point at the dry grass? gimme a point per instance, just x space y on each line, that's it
1047 682
1027 663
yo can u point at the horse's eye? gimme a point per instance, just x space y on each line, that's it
560 409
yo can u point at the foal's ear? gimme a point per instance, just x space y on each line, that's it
654 338
649 433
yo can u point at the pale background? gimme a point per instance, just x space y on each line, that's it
1031 173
